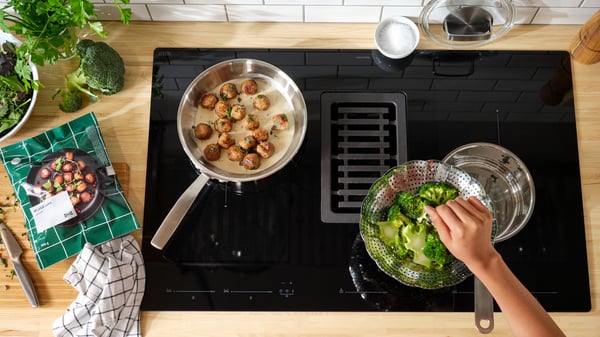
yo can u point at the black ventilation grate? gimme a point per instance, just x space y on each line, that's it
362 136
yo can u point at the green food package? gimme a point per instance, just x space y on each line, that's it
68 190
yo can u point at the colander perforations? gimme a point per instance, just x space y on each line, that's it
409 177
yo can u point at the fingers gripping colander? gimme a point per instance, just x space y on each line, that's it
409 177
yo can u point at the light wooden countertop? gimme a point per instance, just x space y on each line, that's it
124 120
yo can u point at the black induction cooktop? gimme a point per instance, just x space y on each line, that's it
290 242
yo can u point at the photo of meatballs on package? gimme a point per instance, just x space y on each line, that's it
68 190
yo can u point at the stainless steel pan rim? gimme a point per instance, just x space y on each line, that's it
223 72
207 81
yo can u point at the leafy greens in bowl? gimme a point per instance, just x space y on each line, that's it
17 98
383 240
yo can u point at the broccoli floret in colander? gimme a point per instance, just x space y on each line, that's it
407 230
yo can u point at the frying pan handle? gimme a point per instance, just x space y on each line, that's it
484 308
177 212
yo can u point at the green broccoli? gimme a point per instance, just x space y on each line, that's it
101 71
410 205
436 251
436 193
415 237
71 101
389 229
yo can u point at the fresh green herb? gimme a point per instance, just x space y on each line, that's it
4 261
45 25
12 274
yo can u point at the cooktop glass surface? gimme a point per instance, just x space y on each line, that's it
290 242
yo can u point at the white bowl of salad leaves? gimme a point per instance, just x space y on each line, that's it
16 102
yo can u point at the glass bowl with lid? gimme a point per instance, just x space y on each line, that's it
466 23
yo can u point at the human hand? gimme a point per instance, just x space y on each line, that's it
465 227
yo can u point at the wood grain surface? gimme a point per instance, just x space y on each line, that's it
123 119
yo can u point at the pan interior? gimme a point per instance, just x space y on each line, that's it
506 180
228 71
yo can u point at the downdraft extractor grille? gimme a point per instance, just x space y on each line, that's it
362 136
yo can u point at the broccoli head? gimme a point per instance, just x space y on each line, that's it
415 237
410 205
101 71
436 193
71 101
436 251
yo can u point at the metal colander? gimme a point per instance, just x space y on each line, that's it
409 177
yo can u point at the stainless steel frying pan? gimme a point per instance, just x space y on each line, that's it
206 82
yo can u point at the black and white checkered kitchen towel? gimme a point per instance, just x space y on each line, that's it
110 278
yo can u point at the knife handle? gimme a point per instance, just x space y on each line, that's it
26 283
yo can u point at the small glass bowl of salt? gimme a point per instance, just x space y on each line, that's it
396 37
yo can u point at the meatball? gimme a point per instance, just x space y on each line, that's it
249 87
85 197
81 186
203 131
223 125
228 91
222 109
225 140
235 153
81 164
280 122
248 142
45 173
265 149
251 161
238 112
261 102
260 134
212 152
251 122
208 101
90 178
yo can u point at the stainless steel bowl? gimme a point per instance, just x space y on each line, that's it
506 180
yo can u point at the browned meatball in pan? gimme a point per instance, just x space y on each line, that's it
238 112
280 122
235 153
212 152
261 102
251 161
249 87
248 142
225 140
251 122
228 91
202 131
223 125
260 134
222 109
208 101
265 149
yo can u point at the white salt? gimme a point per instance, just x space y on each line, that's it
397 38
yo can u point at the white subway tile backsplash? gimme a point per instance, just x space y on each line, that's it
550 3
562 16
591 3
265 13
409 12
304 2
384 2
225 2
111 12
187 12
368 11
363 14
